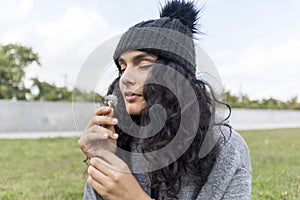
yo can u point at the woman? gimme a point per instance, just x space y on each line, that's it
170 109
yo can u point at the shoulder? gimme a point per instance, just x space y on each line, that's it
233 148
231 175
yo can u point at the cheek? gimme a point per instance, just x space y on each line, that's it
144 78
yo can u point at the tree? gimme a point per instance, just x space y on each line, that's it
231 99
13 61
50 92
243 101
84 96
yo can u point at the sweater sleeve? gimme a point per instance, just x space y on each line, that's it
230 178
90 193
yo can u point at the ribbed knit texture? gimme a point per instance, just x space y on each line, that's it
165 37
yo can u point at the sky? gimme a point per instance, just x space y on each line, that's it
255 45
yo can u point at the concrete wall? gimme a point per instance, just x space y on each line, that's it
42 116
23 116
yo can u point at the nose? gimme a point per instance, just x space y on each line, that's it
127 77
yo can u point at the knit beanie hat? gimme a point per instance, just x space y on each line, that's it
170 36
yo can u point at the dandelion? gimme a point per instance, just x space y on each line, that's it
284 193
110 100
266 141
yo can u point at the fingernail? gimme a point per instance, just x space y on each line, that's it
116 135
115 120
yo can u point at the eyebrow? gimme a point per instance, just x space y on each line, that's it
137 57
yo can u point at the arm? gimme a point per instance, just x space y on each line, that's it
239 187
109 176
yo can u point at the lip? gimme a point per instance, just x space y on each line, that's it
131 96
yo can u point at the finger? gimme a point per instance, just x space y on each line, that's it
107 123
101 165
90 144
85 141
97 175
91 137
95 133
110 124
111 113
104 120
95 184
113 160
104 132
104 110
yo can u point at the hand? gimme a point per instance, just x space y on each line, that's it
99 133
112 179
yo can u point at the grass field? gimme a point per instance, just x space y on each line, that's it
41 169
52 168
275 157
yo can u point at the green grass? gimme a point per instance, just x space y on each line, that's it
41 169
275 157
52 168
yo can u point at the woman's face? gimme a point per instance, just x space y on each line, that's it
135 68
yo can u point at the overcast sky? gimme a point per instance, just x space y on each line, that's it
255 45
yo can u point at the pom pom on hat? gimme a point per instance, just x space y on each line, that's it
170 36
186 12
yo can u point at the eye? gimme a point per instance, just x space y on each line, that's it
122 71
122 68
144 67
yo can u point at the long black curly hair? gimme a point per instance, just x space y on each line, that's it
168 180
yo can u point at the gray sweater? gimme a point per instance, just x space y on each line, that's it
230 178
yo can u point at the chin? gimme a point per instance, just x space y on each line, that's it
133 111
